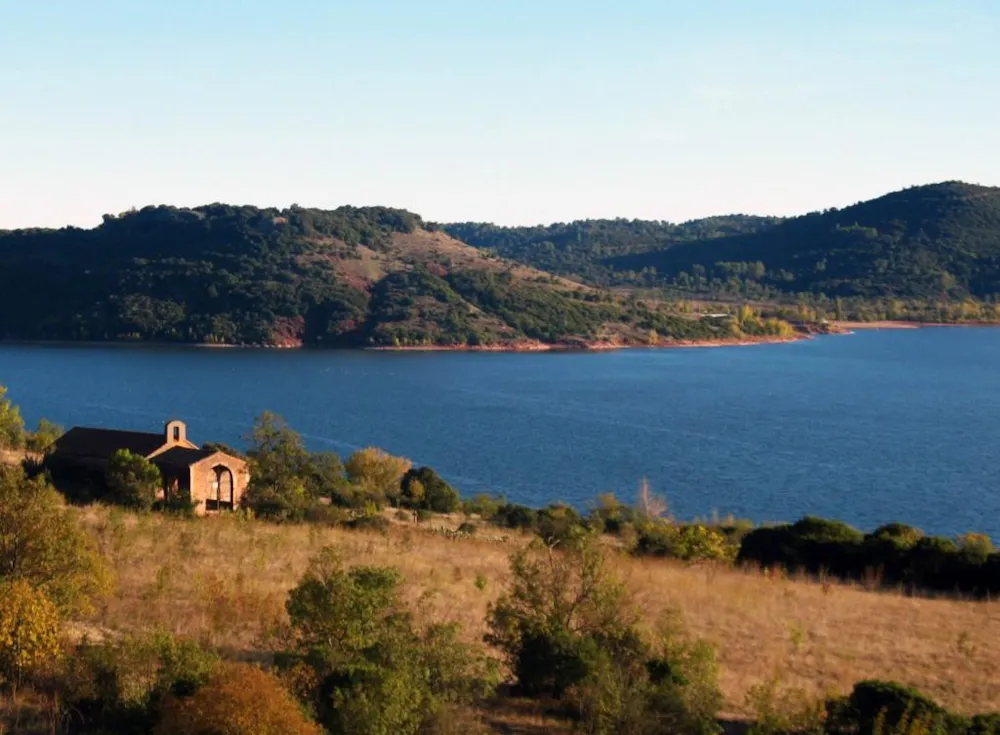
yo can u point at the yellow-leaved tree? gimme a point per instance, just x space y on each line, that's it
42 543
29 632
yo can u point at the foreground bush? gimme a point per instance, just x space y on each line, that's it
887 708
29 632
42 543
360 662
238 699
119 686
569 632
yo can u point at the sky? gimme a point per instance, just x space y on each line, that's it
506 111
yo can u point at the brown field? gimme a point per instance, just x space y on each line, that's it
224 582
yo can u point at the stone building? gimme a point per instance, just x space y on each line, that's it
215 480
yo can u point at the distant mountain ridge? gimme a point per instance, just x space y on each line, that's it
939 241
350 277
586 248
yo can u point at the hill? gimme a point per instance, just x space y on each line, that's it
936 242
348 277
586 248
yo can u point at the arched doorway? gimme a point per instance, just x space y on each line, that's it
220 493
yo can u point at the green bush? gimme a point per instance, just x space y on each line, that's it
133 481
119 686
568 631
423 488
373 670
881 707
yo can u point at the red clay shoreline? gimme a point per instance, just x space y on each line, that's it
838 327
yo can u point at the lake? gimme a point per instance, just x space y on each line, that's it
868 428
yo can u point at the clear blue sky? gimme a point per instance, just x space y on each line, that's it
512 111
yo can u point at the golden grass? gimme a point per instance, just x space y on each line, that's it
225 581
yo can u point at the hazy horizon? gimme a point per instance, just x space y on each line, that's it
529 113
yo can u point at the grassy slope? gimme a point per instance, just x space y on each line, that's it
225 582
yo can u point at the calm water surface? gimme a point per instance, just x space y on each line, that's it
879 426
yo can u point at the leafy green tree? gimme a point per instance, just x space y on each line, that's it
424 488
42 543
11 423
280 470
374 671
569 631
133 481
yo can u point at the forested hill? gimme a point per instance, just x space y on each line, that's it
936 242
348 277
586 248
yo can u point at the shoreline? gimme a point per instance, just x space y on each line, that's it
835 328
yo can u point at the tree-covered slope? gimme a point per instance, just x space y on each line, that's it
348 277
584 248
940 241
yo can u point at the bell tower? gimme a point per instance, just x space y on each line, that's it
175 432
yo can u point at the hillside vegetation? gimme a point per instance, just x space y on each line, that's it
930 253
929 242
587 248
349 277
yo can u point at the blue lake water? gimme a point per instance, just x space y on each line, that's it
878 426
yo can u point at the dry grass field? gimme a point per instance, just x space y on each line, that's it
224 581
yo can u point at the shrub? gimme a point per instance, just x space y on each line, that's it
133 481
42 543
484 505
239 699
568 631
610 514
376 474
559 523
779 710
373 672
691 542
11 423
879 707
118 686
29 632
511 515
42 439
468 528
424 488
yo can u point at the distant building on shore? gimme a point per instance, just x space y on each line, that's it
213 480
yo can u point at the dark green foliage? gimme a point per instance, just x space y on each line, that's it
423 488
984 725
223 274
569 632
373 670
894 554
287 480
583 248
118 687
876 707
133 481
938 242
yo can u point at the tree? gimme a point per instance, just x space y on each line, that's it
239 699
11 423
42 543
424 488
29 631
376 474
372 670
42 439
569 630
133 480
280 470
